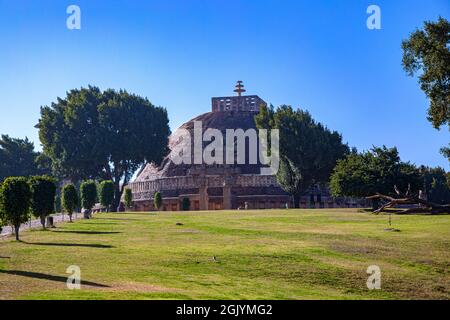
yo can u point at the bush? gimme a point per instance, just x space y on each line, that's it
43 192
69 199
58 203
15 199
128 198
157 200
106 194
186 204
88 191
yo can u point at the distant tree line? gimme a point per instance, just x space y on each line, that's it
380 171
18 158
311 154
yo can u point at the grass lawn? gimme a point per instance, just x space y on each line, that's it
272 254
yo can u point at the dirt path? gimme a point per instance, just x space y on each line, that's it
36 223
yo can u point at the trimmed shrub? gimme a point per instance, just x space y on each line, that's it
69 199
88 191
58 206
186 204
128 198
15 199
43 192
106 194
157 200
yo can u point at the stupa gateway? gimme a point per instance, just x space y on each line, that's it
216 186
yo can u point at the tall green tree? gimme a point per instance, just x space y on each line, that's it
69 199
378 170
18 158
105 135
15 199
88 194
428 51
308 150
43 193
106 194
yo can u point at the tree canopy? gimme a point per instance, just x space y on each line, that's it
436 184
378 170
428 51
18 158
308 150
105 135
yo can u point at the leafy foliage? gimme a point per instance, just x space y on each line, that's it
377 170
106 193
18 158
58 205
445 151
43 192
15 199
128 198
88 193
106 135
308 150
69 199
157 200
436 185
428 50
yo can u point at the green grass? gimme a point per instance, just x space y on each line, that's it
273 254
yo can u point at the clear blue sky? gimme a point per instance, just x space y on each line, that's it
317 55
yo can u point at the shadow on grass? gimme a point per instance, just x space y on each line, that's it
87 232
5 257
119 219
110 223
56 244
37 275
137 213
410 212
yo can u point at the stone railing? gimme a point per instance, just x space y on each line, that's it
144 189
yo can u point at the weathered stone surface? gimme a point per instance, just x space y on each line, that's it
218 186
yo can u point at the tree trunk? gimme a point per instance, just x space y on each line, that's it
431 207
296 198
70 217
42 217
117 196
16 231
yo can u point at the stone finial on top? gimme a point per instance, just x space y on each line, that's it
238 103
239 88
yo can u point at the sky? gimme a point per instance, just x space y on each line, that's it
314 55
